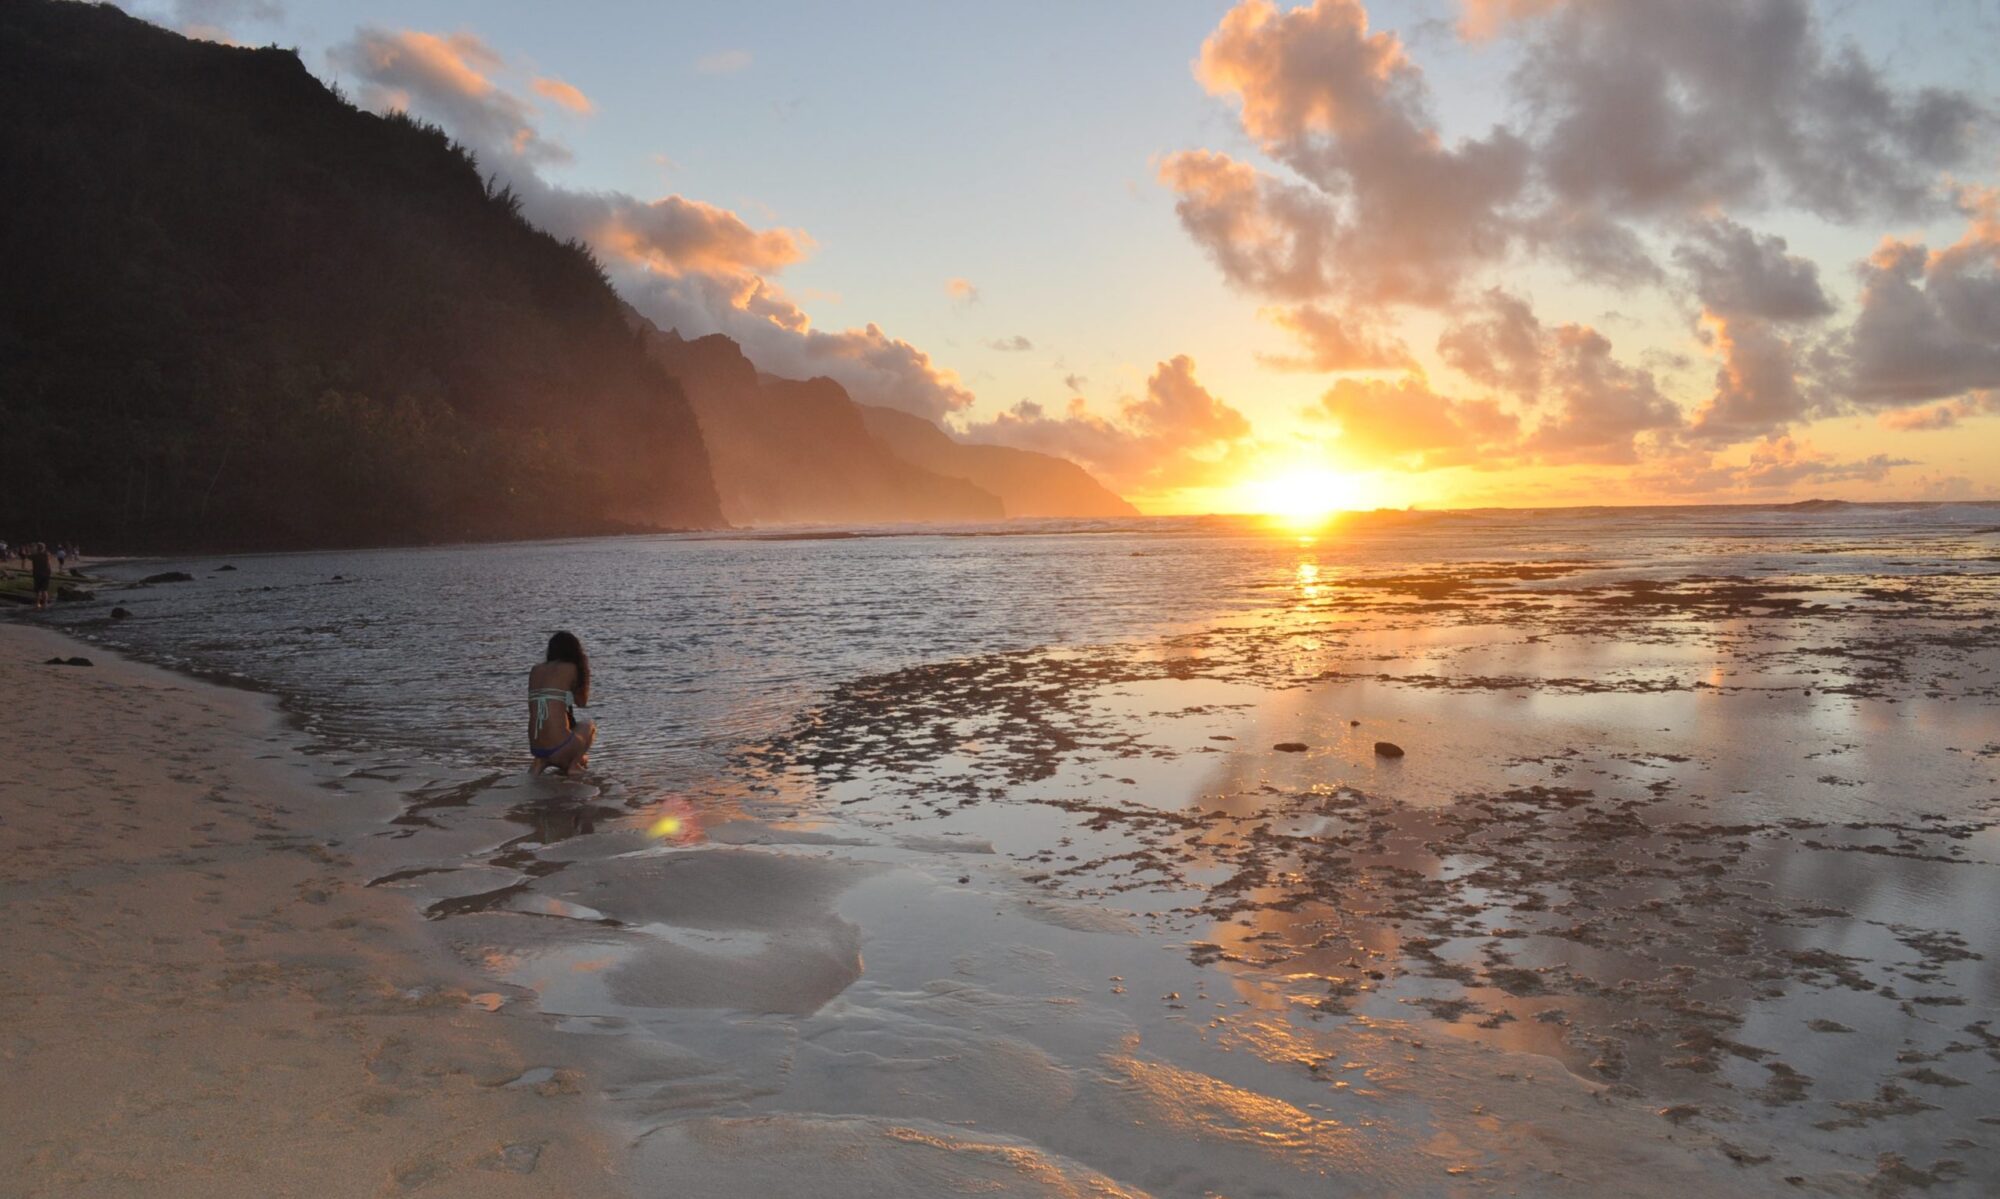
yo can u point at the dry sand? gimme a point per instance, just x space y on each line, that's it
200 998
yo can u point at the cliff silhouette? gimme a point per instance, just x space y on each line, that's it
791 451
237 311
786 450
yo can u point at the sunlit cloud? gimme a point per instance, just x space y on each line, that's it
1929 326
682 262
563 94
1941 416
1178 434
1498 342
1625 159
1484 19
1332 342
1408 426
450 77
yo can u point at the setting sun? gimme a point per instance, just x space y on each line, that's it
1306 495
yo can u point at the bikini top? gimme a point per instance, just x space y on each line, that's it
540 697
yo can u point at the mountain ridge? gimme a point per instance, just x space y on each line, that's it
792 451
242 313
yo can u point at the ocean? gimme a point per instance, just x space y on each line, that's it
1081 839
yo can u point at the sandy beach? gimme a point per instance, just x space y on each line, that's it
200 998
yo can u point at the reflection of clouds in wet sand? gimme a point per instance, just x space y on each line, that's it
1717 841
1062 922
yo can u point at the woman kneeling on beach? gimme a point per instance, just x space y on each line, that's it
556 689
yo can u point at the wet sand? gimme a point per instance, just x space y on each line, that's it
1724 847
200 998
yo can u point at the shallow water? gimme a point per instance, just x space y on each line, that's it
982 866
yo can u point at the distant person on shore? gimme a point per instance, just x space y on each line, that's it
38 562
556 689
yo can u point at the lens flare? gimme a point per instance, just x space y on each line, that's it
674 821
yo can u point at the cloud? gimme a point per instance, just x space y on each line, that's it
1267 237
1484 19
961 290
1774 464
1010 345
1601 407
1643 108
1929 325
1753 291
675 235
1414 427
1635 115
723 62
684 263
1758 386
1739 273
449 78
563 94
1335 343
1941 416
1588 405
1176 435
1402 213
1075 382
1500 345
1633 124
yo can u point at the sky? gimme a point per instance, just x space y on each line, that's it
1237 257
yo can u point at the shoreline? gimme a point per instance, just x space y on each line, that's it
203 996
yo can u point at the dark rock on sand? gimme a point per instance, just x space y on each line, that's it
74 594
223 567
1290 747
171 576
1388 749
68 662
120 613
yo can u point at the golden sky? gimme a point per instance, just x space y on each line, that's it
1348 253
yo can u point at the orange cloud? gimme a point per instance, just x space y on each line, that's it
449 77
1941 416
1179 434
1415 427
1335 343
961 290
679 236
564 94
1484 19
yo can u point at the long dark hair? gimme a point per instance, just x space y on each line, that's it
564 647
